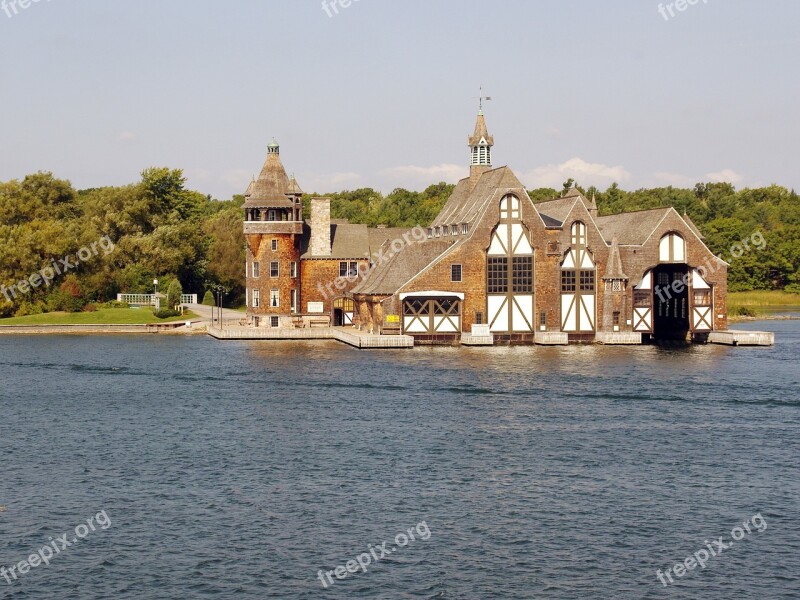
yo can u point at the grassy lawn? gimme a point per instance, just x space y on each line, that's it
103 316
759 302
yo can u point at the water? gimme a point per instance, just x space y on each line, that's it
239 470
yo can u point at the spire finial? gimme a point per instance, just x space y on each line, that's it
481 98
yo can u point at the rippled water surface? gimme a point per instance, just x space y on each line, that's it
240 470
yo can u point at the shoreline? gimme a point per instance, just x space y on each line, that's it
201 327
179 328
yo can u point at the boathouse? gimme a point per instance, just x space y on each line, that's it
493 262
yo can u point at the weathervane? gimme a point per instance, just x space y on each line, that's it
481 99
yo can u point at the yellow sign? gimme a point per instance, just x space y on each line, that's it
392 318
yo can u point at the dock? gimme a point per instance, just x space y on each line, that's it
351 337
733 337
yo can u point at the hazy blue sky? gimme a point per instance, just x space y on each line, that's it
385 93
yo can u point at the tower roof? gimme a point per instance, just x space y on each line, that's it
614 266
481 132
272 187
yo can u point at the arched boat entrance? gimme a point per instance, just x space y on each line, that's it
671 302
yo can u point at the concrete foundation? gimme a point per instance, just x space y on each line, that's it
629 338
551 338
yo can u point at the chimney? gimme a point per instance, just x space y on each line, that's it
320 227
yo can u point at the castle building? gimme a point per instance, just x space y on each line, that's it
492 258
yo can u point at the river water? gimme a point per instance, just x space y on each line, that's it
241 470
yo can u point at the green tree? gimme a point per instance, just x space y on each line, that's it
174 293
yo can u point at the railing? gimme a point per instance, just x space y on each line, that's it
152 299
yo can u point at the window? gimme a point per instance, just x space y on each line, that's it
522 274
464 228
430 232
293 269
543 319
437 232
274 298
642 298
578 234
343 269
274 270
274 322
453 229
568 281
294 301
256 299
498 274
616 318
672 248
271 217
274 245
256 270
478 318
446 230
455 273
702 297
587 281
616 285
353 270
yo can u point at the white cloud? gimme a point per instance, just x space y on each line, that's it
724 176
585 173
413 177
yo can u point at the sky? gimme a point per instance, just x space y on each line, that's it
384 94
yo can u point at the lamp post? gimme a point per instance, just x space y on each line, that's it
155 294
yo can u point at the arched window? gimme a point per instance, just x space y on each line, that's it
672 249
578 233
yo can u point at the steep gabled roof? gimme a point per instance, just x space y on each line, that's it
388 277
348 241
692 226
631 228
557 210
464 206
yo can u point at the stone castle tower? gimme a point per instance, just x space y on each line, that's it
273 228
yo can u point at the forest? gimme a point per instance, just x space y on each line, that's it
161 230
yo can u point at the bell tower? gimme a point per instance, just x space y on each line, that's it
480 144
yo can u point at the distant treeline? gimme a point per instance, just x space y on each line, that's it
160 230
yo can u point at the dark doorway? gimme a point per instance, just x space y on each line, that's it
343 312
670 302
